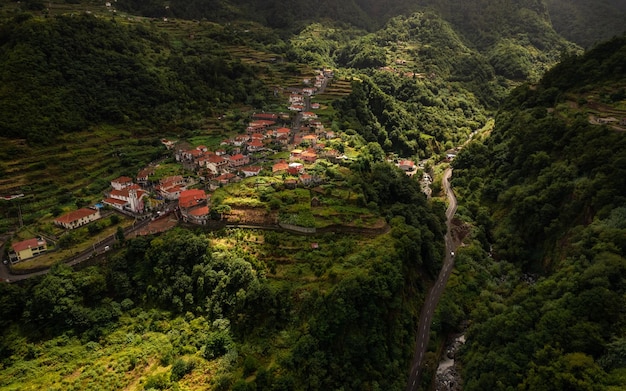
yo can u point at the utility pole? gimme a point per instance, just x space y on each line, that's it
19 214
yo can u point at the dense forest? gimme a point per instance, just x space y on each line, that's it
585 22
588 22
547 190
68 72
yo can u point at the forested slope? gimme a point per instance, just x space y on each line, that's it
553 185
513 35
68 72
588 22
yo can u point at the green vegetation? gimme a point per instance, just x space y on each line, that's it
56 82
572 20
87 96
238 304
546 191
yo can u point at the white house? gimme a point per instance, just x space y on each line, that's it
77 218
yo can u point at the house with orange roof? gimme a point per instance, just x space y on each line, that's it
306 179
295 98
309 156
172 192
310 138
295 154
121 182
280 166
198 215
406 165
193 206
255 145
215 163
172 180
192 154
128 199
144 175
27 249
283 132
238 160
240 140
77 218
190 198
226 178
295 168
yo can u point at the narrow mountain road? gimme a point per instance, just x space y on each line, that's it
433 296
97 249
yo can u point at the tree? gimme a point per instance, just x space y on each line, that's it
120 235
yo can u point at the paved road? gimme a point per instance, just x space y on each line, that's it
98 249
434 294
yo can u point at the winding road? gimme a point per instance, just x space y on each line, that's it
434 294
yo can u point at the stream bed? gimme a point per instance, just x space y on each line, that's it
448 377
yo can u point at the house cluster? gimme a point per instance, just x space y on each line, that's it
229 163
297 97
127 196
265 132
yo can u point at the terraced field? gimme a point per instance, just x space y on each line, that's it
74 170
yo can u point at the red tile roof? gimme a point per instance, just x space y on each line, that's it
216 159
263 123
267 116
75 215
256 169
29 243
199 212
122 180
189 198
280 166
125 193
114 201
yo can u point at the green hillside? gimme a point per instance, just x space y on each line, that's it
588 22
68 72
89 89
546 191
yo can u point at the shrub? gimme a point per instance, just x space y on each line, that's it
218 344
180 368
157 382
250 365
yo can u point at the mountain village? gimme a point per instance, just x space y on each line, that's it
245 155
